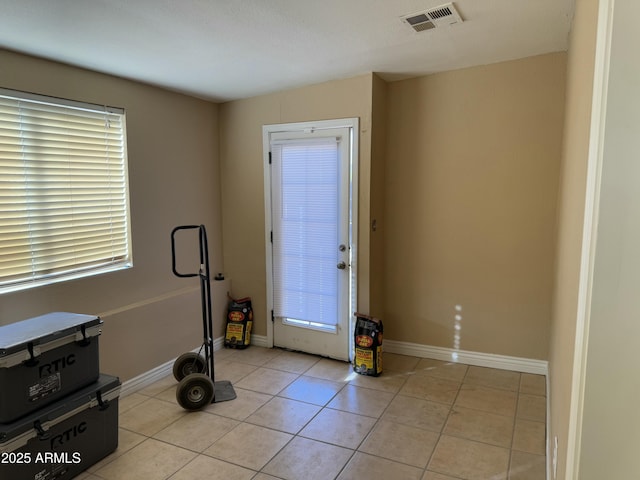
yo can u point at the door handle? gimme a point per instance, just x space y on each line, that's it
342 266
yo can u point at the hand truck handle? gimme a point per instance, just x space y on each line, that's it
173 249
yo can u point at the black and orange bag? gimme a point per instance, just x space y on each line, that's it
368 345
239 323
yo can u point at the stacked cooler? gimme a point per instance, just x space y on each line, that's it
58 414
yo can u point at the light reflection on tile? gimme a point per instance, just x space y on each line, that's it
312 390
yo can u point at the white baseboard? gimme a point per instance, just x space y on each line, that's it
503 362
518 364
147 378
259 340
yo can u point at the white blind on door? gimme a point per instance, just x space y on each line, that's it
305 229
63 190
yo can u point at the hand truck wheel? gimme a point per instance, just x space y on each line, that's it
195 391
188 363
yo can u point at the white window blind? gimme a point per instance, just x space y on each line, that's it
63 190
305 229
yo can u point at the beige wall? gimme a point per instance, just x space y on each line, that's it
471 182
150 316
242 170
580 66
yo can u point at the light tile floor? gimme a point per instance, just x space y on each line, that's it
300 417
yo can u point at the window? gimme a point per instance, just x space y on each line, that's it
64 206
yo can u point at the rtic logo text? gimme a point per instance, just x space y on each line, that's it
69 434
57 365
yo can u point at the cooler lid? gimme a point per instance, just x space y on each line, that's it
43 329
16 434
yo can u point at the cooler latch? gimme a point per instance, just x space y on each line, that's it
103 404
32 361
42 434
85 339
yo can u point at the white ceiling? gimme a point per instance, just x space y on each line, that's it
229 49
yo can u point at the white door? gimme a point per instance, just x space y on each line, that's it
311 242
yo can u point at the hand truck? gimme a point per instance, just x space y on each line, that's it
197 386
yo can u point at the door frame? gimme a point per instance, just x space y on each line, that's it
595 161
267 130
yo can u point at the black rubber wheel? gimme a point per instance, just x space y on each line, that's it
195 391
188 363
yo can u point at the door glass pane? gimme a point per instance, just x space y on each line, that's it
305 230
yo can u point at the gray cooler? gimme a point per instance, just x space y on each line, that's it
42 359
65 438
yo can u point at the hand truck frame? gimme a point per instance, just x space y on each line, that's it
197 386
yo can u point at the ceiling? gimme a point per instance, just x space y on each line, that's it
228 49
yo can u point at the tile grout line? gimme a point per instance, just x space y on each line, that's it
451 407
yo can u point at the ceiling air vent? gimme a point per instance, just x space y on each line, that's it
444 15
